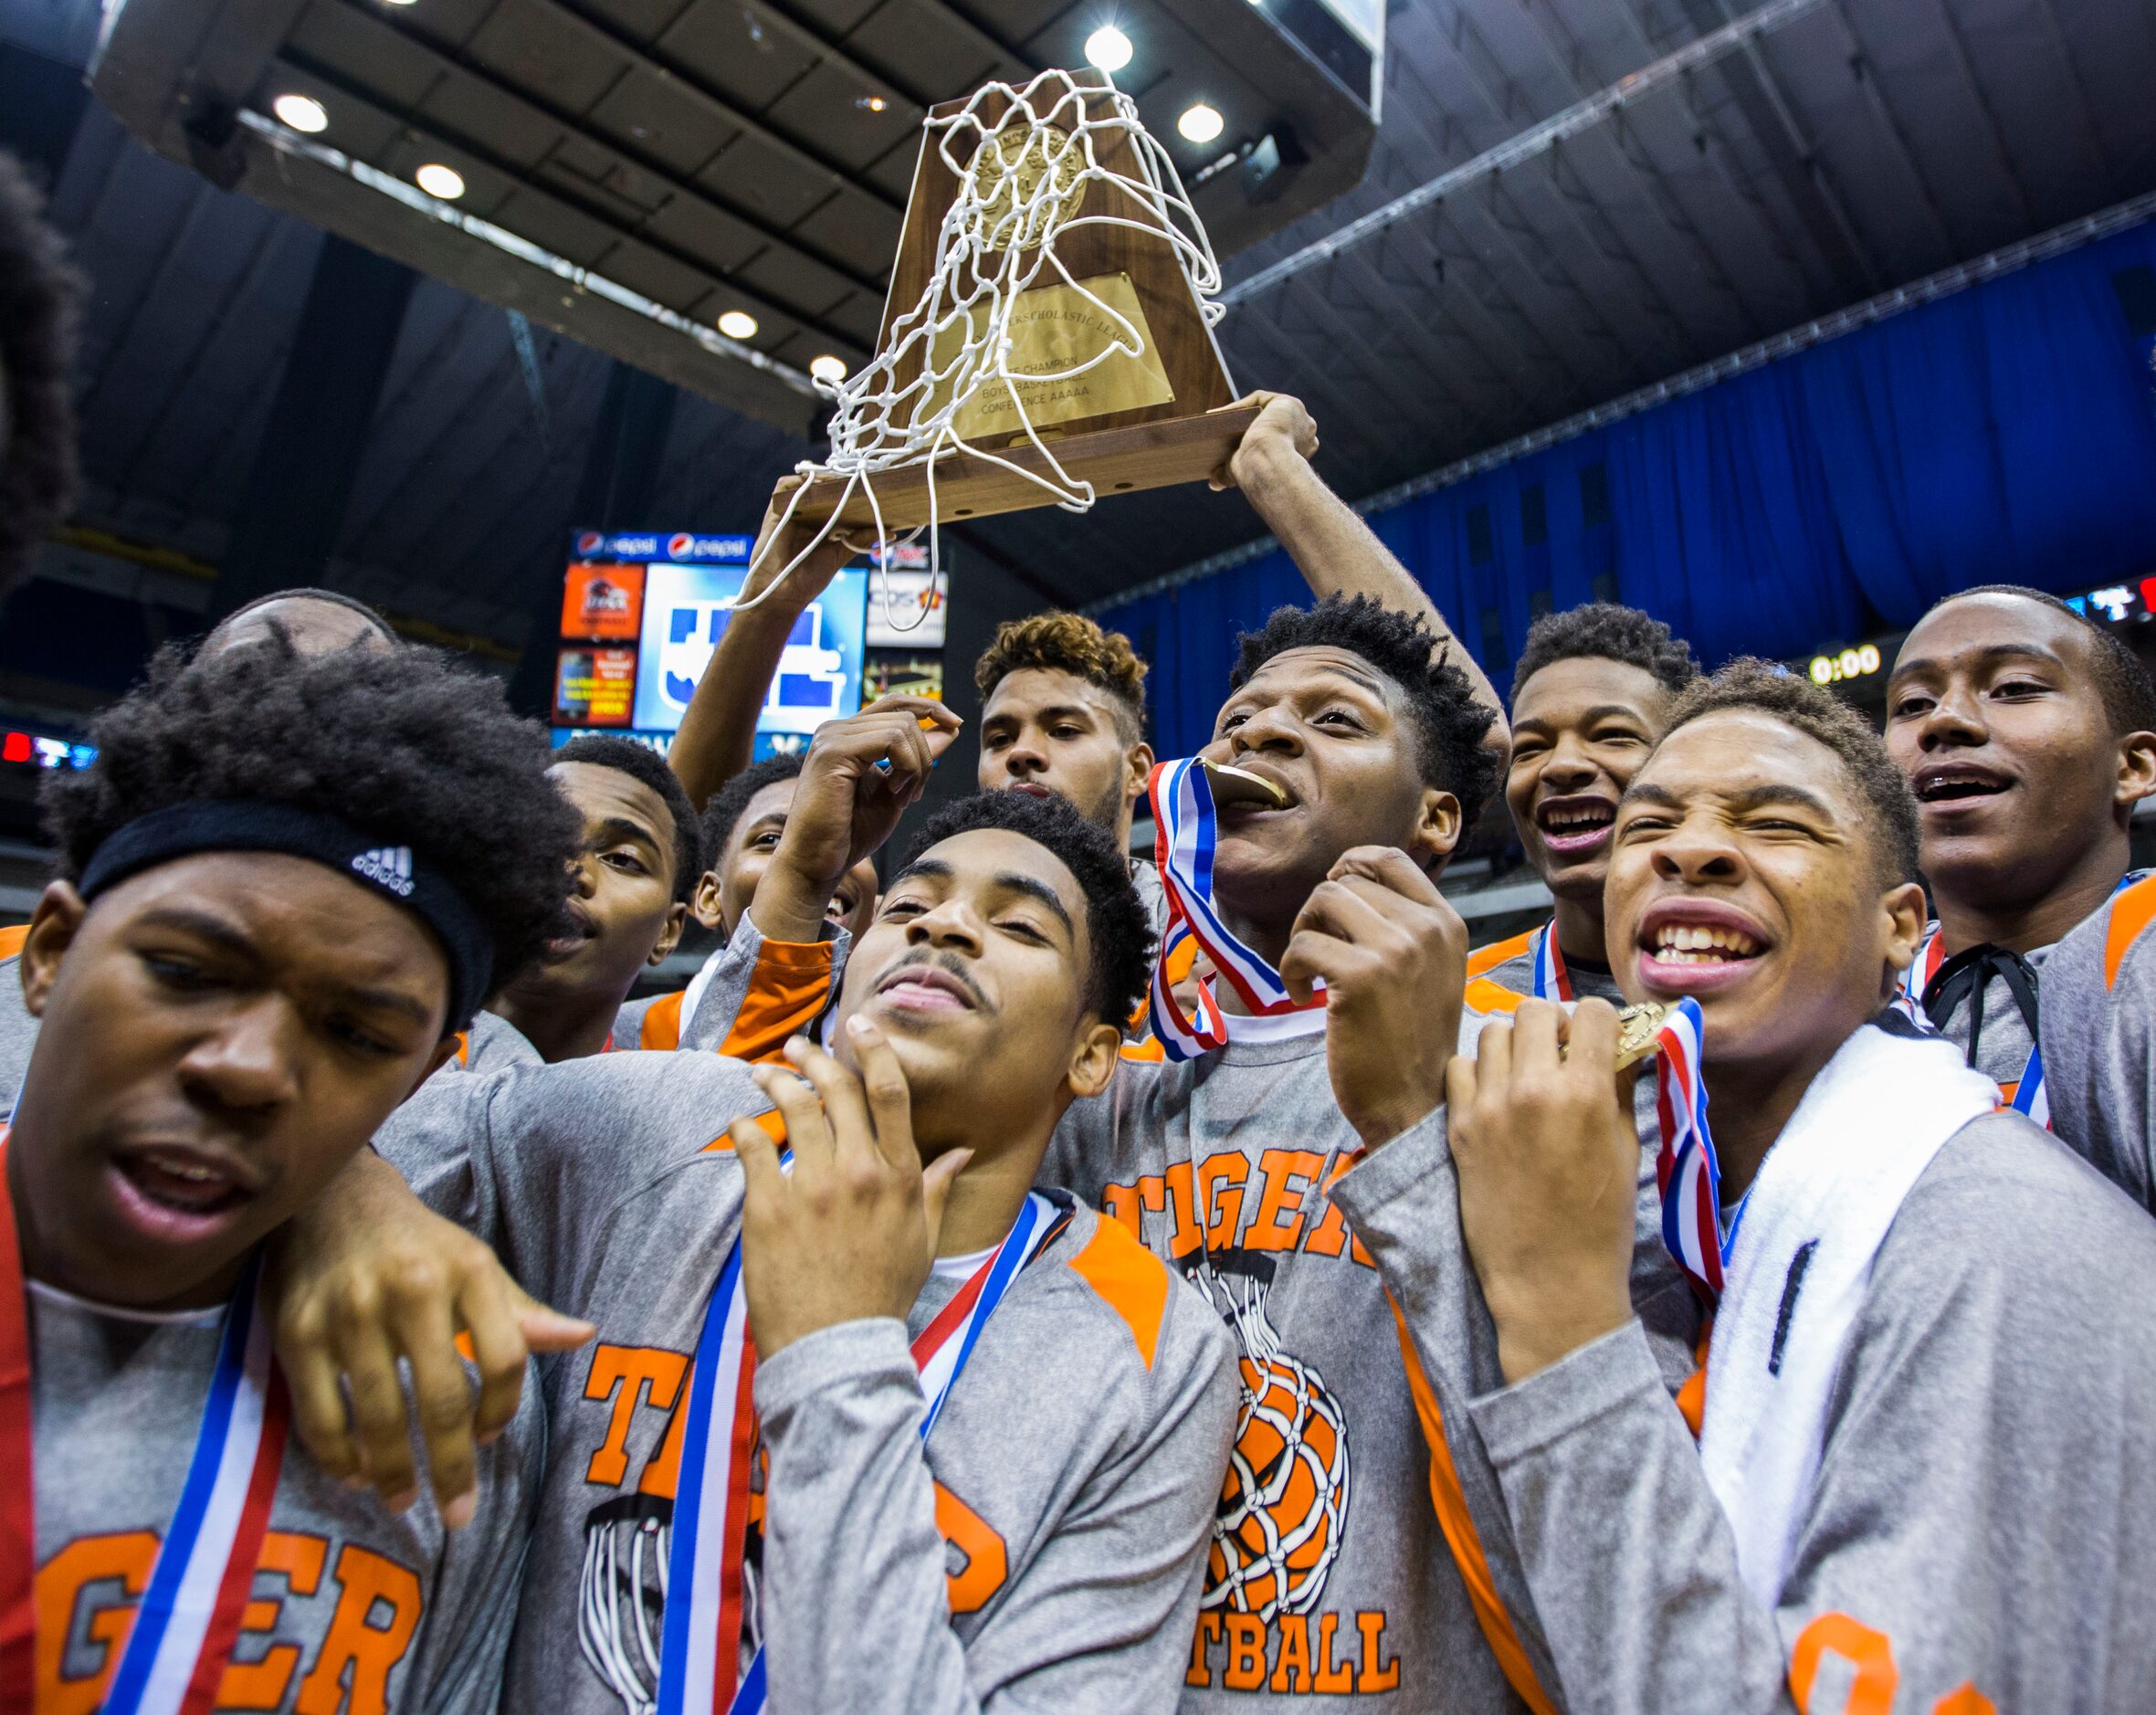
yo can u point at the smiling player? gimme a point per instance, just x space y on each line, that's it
2027 733
1589 697
1029 1537
1904 1305
274 910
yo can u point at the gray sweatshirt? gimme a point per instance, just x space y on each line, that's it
1042 1552
352 1609
18 1032
1981 1515
1329 1584
2099 1005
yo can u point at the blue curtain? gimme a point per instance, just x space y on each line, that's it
2004 434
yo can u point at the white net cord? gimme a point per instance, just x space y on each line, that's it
1022 181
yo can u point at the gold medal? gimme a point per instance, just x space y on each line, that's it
1238 785
1637 1027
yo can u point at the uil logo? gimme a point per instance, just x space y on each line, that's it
1277 1529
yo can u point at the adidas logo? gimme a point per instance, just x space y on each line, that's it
387 866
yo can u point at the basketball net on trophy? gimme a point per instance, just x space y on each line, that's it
1047 334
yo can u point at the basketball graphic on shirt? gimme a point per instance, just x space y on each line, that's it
1277 1529
621 1594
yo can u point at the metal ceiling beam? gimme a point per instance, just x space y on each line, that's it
662 64
250 277
1534 141
1865 69
153 291
2084 109
446 55
1567 364
1639 158
1805 178
1958 52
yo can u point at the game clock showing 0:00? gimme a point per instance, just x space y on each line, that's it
1834 669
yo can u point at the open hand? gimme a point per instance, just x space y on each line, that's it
1547 1159
1392 954
851 1232
369 1275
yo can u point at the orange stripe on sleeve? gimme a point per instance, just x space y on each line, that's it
1483 960
774 1128
1486 996
12 939
2132 912
1465 1540
1130 1277
661 1027
786 991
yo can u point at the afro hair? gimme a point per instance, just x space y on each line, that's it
1450 723
39 298
728 802
2129 697
1116 922
401 744
1607 631
1773 690
1069 643
641 762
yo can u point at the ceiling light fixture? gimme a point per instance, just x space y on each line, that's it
302 112
874 103
738 324
827 368
438 180
1200 123
1109 49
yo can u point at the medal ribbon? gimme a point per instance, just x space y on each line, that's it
702 1629
1551 981
1187 833
1687 1172
189 1617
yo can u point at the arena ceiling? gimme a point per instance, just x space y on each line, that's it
1861 145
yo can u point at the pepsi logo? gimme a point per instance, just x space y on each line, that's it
588 541
680 545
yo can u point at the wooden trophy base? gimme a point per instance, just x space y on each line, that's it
1114 461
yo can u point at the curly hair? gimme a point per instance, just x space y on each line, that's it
2130 696
728 802
1450 723
40 297
1116 923
1609 631
1773 690
401 744
641 762
1069 643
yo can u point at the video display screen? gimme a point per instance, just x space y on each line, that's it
641 613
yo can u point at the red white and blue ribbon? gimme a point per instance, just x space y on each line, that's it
1551 981
1909 1000
1687 1172
189 1617
702 1629
1187 833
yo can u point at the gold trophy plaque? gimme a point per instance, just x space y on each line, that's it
1131 420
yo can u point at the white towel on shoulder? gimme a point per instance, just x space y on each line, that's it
1824 1199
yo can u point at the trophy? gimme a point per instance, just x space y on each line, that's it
1047 334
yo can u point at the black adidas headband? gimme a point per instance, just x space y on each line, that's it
202 824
